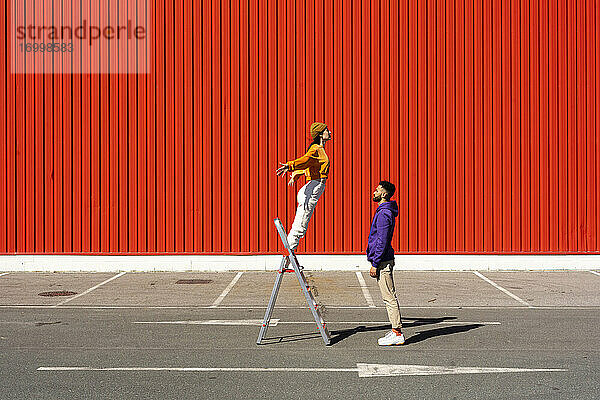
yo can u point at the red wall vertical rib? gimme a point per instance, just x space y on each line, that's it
484 114
413 133
4 66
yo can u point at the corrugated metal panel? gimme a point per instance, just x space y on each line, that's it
484 114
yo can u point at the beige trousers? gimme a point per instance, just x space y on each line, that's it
385 279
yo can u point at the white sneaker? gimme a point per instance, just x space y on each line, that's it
391 339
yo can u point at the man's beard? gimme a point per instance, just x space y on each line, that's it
376 199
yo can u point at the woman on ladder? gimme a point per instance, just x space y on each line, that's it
315 166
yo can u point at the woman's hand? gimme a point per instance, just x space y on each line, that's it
282 170
291 181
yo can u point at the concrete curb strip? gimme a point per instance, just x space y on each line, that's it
315 262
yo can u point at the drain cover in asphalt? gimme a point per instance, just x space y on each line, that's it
194 281
57 293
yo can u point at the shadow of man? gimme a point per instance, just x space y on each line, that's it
448 330
339 335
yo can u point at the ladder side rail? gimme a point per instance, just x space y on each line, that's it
310 300
271 306
303 284
282 235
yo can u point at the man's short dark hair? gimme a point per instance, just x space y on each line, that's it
388 187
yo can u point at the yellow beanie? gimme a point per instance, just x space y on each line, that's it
316 128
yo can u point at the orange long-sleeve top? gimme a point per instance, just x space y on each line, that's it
314 164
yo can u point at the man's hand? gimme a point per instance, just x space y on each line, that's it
373 272
282 170
291 181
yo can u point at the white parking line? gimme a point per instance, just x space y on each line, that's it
365 289
364 370
199 369
388 322
259 306
276 321
494 284
224 322
90 289
595 273
227 290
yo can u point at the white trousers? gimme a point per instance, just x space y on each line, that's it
307 201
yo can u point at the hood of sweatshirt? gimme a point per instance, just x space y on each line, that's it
389 205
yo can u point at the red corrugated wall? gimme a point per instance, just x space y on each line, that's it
484 113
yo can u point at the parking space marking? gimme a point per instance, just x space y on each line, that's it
90 289
365 289
494 284
277 321
595 273
364 370
388 322
223 322
199 369
227 290
259 306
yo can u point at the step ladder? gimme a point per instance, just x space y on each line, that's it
283 268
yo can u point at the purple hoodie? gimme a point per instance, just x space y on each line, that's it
379 246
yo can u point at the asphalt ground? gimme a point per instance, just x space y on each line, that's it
145 336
